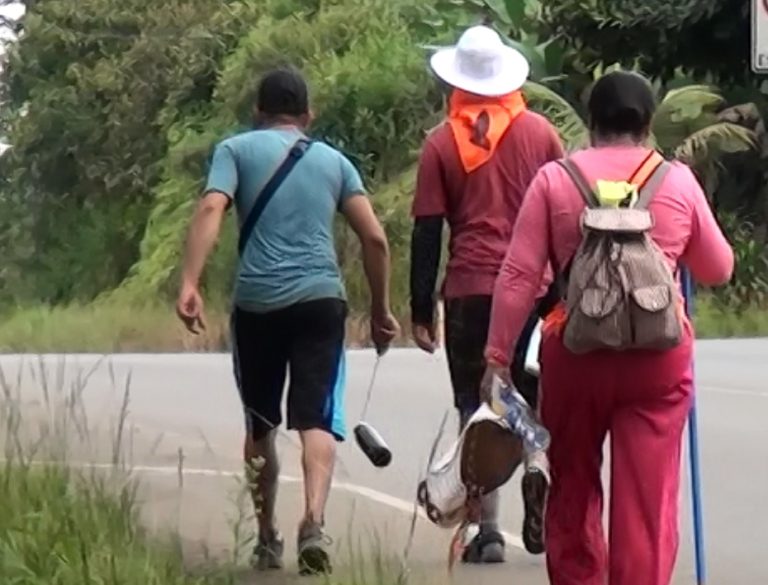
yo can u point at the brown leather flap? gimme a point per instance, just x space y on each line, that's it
652 298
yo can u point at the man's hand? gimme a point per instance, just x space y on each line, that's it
203 232
425 337
189 308
384 329
486 386
359 213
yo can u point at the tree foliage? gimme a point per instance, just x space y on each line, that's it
372 98
700 37
88 89
112 108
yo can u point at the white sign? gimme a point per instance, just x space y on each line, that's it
760 36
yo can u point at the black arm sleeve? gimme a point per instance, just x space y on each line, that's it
426 244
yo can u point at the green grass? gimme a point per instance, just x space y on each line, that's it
108 328
111 328
713 321
61 527
64 527
63 524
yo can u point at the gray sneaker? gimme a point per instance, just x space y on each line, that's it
268 554
486 548
313 547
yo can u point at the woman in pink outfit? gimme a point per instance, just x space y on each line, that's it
641 398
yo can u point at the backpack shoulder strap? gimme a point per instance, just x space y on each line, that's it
295 153
578 178
646 168
652 184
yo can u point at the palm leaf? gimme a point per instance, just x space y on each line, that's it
684 111
571 127
747 115
689 102
696 92
707 144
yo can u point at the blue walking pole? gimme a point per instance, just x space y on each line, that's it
693 443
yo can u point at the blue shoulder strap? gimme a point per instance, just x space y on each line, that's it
294 154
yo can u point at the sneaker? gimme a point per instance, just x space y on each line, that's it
485 548
268 554
313 547
535 486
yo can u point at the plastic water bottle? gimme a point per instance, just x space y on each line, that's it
509 403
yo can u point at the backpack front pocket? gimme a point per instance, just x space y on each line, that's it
652 298
598 303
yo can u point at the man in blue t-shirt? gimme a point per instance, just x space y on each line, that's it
289 300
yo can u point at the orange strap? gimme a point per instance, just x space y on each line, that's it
555 320
646 169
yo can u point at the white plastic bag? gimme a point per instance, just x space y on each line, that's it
532 353
443 493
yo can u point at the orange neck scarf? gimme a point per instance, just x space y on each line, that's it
478 123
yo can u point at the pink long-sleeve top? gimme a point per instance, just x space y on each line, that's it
549 224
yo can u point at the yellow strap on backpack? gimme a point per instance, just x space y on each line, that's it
613 193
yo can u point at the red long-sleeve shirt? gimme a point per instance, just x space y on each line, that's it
481 207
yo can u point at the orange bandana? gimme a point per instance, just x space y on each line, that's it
478 123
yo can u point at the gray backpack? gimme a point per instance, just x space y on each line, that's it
621 292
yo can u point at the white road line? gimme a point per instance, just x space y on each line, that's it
732 391
358 490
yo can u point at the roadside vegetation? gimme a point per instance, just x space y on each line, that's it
112 108
70 500
69 528
73 525
114 328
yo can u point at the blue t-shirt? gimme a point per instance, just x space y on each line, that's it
290 257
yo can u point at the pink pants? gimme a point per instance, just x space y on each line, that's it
642 399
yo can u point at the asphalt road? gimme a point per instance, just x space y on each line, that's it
183 411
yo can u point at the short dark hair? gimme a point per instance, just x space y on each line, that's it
283 92
621 102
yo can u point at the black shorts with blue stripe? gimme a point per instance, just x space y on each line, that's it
303 343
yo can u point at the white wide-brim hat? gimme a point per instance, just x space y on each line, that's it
481 64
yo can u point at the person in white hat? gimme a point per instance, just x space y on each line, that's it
473 172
